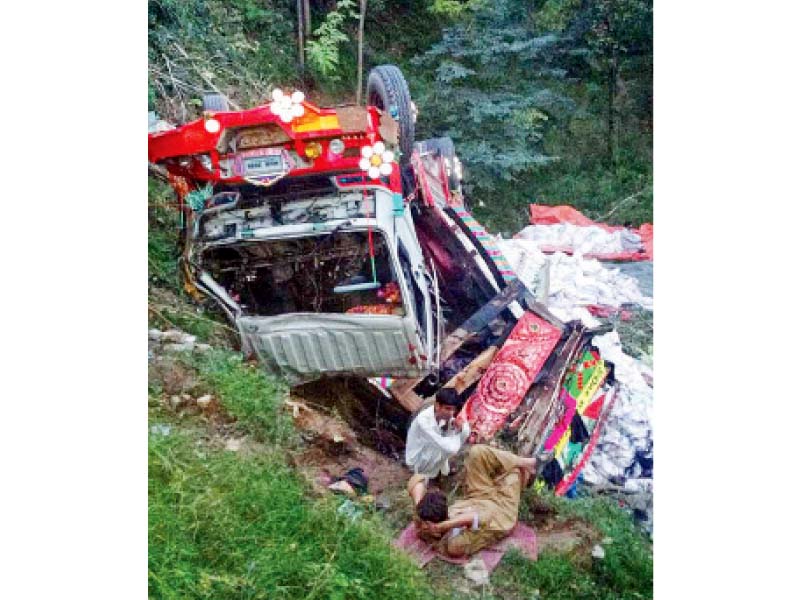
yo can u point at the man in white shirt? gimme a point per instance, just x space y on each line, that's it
435 436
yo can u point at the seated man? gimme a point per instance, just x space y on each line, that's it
434 436
494 481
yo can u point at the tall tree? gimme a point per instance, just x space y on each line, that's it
362 14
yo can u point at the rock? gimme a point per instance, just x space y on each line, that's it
172 335
204 401
343 487
160 429
154 334
175 401
350 510
202 347
187 347
598 552
233 444
476 571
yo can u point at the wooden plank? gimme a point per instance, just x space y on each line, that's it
473 371
468 330
411 401
542 408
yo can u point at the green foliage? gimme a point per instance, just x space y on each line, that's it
626 571
548 102
248 394
322 51
488 84
454 8
244 47
162 239
240 525
228 525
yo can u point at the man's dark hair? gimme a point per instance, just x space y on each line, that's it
448 396
433 507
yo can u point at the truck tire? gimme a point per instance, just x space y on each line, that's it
387 89
215 103
446 149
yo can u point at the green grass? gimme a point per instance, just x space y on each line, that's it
240 525
626 571
227 525
243 524
170 306
249 395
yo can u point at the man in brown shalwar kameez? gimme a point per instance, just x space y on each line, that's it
494 480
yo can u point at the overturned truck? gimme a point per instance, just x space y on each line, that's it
336 244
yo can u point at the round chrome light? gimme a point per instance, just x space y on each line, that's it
212 125
336 146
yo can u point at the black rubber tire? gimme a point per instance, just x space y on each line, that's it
387 88
215 103
447 150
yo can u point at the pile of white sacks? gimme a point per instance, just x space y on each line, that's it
584 240
570 284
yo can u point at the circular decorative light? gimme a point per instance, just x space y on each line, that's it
336 146
376 160
287 107
313 150
212 125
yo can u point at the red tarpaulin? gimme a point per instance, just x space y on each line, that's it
553 215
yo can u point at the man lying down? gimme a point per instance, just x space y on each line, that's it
494 481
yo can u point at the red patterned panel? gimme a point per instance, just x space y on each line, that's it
510 375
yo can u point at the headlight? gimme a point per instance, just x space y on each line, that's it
336 146
212 125
205 160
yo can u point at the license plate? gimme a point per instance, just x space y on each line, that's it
266 162
264 165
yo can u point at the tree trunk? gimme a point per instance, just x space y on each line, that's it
360 49
307 16
613 70
300 43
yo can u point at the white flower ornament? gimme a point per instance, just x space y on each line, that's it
376 160
287 107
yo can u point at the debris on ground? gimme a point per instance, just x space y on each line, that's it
575 287
204 401
475 570
598 552
160 429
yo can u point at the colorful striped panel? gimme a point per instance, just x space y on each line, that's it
487 242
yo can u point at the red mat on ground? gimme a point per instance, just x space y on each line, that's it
553 215
510 375
521 537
